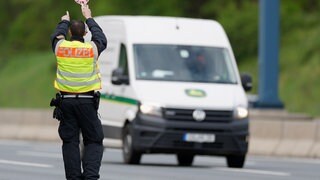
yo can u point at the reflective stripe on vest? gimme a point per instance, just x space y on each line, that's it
77 75
77 69
70 83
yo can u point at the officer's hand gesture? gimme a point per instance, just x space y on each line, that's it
66 16
86 12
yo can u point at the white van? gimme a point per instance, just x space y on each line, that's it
171 85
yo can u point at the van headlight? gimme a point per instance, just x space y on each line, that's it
151 109
241 113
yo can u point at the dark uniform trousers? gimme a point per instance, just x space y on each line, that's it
81 114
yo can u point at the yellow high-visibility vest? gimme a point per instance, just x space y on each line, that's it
77 68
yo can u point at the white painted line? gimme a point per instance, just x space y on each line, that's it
39 154
255 171
2 161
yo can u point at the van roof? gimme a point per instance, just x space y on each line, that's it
166 30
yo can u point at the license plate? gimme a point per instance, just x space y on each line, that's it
200 138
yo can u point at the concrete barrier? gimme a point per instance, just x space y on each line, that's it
272 132
277 132
265 136
298 138
28 124
315 150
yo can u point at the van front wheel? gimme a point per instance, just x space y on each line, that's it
130 155
236 161
185 159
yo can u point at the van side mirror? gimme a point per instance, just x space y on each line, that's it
118 77
246 81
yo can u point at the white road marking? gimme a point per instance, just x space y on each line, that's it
40 154
254 171
2 161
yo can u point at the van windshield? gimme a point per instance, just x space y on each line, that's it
183 63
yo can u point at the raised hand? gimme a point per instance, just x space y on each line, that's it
86 12
66 16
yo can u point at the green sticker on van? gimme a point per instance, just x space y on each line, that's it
196 93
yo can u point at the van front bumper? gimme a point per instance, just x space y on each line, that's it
157 135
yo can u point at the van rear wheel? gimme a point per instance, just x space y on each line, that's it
130 155
236 161
185 159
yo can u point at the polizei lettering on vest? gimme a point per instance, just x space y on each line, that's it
75 52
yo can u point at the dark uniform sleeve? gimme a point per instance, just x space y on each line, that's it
60 33
98 37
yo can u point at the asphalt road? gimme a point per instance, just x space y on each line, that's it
21 160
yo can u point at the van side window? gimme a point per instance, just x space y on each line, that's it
123 61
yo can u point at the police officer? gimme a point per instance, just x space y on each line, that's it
77 78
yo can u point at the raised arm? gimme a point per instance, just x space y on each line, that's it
98 37
61 30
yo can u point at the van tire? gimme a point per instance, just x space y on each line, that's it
130 155
236 161
185 159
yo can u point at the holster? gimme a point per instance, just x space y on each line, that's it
56 102
96 99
